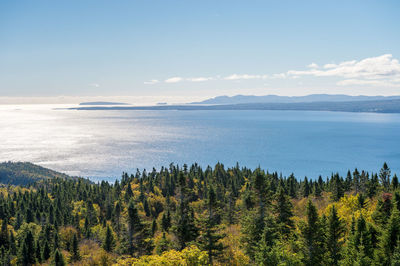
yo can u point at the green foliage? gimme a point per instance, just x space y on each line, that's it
195 216
109 242
312 237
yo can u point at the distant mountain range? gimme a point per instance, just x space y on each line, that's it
244 99
102 103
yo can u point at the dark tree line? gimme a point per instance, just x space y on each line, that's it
192 206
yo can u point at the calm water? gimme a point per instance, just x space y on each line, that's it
102 144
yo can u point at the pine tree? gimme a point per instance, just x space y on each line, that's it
38 252
306 188
137 232
395 182
337 188
109 243
153 227
13 247
312 237
391 235
26 255
46 251
396 255
335 232
317 190
209 240
75 256
58 259
283 211
185 228
265 254
166 221
384 175
4 238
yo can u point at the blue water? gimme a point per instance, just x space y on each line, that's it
103 144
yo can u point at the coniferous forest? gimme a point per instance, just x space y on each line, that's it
187 215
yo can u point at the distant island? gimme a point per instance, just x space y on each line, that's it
370 106
241 99
103 103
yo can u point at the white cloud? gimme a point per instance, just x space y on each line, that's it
151 82
380 67
382 70
200 79
313 65
278 76
173 80
245 76
94 85
370 82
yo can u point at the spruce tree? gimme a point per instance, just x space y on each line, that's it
384 175
336 187
4 238
391 235
109 243
312 237
46 253
137 232
209 240
335 232
395 182
185 228
26 254
306 188
75 256
283 211
58 259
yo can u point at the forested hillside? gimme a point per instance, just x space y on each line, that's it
194 216
24 173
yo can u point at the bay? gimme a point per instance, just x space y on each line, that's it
102 144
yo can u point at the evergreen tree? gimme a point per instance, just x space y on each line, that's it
337 188
395 182
166 221
4 238
75 256
109 242
137 232
391 235
306 188
58 259
283 211
335 232
26 254
396 255
46 251
209 240
265 254
384 175
312 237
185 229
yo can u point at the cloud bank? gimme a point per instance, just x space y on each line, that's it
382 70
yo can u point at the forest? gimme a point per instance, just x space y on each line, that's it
189 215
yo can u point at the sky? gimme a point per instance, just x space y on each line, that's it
180 50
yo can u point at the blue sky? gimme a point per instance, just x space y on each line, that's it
198 48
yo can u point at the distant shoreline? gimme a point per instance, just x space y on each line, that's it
380 106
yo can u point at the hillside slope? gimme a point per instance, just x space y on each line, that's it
23 173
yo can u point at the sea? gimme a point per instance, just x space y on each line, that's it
102 144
